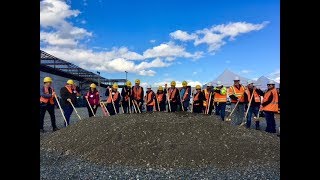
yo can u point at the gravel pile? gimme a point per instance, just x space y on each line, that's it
158 142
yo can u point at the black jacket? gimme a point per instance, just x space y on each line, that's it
126 91
65 94
153 97
164 97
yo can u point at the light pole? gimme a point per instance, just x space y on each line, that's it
126 75
98 82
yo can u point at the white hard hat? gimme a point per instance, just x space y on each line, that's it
236 78
249 82
219 83
148 86
271 82
209 84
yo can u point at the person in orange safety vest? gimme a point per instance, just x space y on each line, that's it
198 98
207 92
236 93
137 95
161 99
150 99
113 96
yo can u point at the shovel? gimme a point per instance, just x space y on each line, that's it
181 100
114 107
245 117
90 107
105 108
75 109
65 120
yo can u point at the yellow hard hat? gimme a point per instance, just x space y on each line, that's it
93 85
128 83
137 81
70 81
160 88
115 86
198 87
184 83
173 83
47 79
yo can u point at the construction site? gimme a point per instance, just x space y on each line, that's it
150 145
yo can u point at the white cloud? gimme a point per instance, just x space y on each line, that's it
85 2
169 50
194 73
147 73
228 62
182 35
245 71
152 41
83 22
214 36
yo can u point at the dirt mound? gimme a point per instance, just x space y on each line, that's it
170 140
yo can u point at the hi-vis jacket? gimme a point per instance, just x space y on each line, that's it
239 93
270 101
46 95
220 94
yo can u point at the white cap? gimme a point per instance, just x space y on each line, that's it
236 78
271 82
249 82
148 86
219 83
209 84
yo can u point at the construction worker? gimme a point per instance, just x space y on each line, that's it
270 106
161 99
207 92
113 99
236 93
255 103
185 93
173 96
93 98
137 95
198 99
126 93
220 99
150 99
47 103
68 96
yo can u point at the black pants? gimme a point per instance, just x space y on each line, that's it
149 108
94 110
197 109
50 109
125 105
174 106
111 109
162 106
210 109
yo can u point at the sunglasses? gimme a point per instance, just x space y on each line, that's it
198 89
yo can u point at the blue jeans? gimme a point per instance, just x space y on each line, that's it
271 123
254 110
67 110
221 110
238 114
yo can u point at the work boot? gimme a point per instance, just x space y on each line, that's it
42 131
56 129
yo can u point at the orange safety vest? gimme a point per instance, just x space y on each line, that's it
186 93
126 97
196 98
45 100
220 98
114 97
137 95
172 94
273 106
160 97
149 97
255 95
207 95
237 92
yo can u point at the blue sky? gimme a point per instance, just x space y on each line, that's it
160 41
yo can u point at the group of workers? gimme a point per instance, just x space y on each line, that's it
245 100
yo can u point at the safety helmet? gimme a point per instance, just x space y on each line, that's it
236 78
209 84
160 88
198 87
93 85
47 79
184 83
128 83
173 83
137 81
271 82
148 86
219 83
249 82
70 81
115 86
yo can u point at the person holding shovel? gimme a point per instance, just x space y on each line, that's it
270 106
255 103
93 98
161 99
220 99
126 93
68 96
47 103
208 93
137 95
113 99
173 97
198 99
185 94
237 96
150 99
